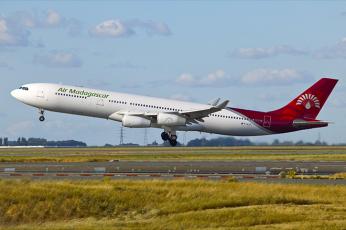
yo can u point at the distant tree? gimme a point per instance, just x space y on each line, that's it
129 144
154 143
221 141
23 141
68 143
276 142
300 143
287 143
37 141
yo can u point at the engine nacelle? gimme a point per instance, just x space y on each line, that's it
135 122
170 119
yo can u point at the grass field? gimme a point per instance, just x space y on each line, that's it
162 153
177 204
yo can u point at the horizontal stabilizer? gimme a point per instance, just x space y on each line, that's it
304 123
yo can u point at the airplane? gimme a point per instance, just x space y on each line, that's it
136 111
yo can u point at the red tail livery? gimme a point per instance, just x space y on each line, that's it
299 114
308 104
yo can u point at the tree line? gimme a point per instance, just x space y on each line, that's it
230 141
22 141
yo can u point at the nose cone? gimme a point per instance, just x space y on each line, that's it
15 93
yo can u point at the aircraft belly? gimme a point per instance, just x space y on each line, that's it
233 127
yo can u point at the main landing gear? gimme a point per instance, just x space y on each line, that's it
41 118
172 138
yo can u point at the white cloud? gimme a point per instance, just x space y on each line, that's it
186 79
258 53
53 18
274 77
115 28
5 37
29 19
111 28
151 27
59 59
12 35
337 50
217 78
45 19
254 77
15 28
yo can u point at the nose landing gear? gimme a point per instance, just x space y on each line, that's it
41 118
172 138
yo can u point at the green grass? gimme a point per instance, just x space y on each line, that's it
176 204
161 153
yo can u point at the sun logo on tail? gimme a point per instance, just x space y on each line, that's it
308 100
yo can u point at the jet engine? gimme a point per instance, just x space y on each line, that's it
135 122
170 119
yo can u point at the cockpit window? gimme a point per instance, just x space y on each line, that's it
24 88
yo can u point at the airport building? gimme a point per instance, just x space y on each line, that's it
0 141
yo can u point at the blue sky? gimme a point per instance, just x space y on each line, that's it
259 55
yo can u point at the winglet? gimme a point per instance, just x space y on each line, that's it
222 105
214 102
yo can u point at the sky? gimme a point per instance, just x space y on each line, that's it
259 55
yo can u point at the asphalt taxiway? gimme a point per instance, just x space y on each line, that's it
180 167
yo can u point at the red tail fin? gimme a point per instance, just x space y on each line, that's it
308 104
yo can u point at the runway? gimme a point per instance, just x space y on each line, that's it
198 168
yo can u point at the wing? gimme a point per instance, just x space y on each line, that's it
199 114
191 115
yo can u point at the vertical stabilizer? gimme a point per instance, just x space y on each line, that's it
309 103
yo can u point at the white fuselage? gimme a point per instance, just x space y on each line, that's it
108 105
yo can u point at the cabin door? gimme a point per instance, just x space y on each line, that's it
267 121
40 93
100 102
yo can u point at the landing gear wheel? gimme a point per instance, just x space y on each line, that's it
173 142
164 136
174 137
170 137
41 118
41 112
